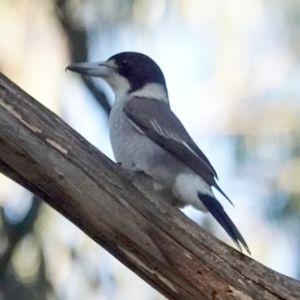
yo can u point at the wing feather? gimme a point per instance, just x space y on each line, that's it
155 119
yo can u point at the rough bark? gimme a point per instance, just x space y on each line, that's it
156 241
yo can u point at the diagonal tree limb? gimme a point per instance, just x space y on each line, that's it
173 254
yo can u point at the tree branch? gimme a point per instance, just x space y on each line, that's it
155 240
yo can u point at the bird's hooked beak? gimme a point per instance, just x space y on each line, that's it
96 69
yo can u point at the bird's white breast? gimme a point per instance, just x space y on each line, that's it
135 151
130 147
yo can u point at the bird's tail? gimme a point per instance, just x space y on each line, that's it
216 209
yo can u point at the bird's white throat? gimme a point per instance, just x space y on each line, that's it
119 84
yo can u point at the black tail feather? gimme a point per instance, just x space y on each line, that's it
221 191
216 209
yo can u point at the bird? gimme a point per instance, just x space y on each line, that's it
146 136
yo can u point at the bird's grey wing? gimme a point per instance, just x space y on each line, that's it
155 119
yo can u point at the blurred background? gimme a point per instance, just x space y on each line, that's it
233 74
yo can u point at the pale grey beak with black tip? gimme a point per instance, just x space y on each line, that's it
96 69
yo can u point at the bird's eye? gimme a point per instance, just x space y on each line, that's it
124 63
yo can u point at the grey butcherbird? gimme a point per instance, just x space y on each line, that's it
147 136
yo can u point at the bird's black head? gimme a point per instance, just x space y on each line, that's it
138 69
